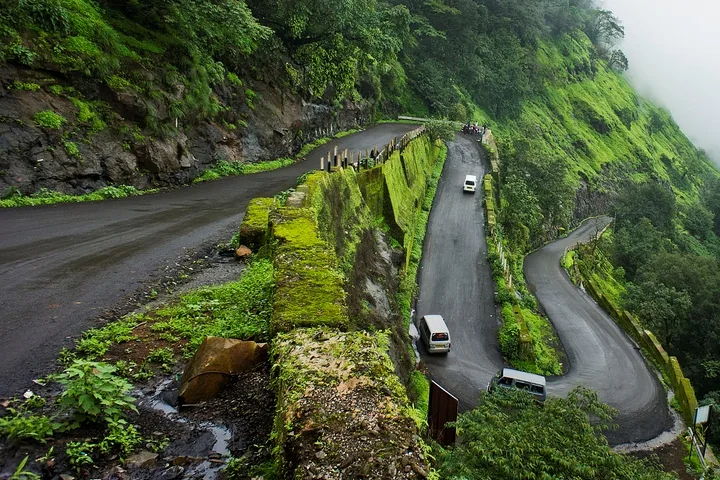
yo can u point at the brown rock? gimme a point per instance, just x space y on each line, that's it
215 360
142 459
242 252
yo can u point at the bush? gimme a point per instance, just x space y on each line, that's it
509 333
93 393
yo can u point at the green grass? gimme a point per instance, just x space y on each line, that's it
224 168
49 197
546 360
420 389
239 309
96 341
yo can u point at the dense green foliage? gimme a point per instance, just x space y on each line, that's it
574 138
189 45
514 437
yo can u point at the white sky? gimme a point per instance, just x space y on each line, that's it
674 52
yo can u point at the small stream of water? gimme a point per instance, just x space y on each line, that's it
222 435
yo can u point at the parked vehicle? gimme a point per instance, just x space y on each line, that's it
434 334
516 379
470 183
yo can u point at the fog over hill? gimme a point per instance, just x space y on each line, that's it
673 52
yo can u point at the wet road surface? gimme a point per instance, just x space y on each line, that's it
62 266
455 282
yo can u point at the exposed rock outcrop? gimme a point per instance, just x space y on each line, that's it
111 146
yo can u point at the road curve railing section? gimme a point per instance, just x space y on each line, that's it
667 364
369 158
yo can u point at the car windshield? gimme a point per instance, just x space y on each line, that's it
439 337
469 182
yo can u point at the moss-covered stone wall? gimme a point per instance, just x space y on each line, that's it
342 412
308 283
254 227
405 176
340 398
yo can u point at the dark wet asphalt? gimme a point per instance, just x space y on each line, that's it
600 354
62 266
455 282
455 279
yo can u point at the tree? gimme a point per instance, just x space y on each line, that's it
699 221
636 244
603 28
440 130
618 61
646 200
335 44
698 333
710 195
546 178
661 308
520 214
511 436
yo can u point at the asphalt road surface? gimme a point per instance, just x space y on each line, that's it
600 355
62 266
455 282
455 279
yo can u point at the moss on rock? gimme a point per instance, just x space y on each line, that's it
254 228
342 411
309 287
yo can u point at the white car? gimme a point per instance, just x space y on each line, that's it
470 183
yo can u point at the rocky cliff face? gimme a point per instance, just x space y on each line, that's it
94 136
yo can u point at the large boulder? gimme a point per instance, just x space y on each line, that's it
214 362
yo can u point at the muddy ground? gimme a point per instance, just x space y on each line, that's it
200 439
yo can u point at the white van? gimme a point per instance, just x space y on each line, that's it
434 334
516 379
470 183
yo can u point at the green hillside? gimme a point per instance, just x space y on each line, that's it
574 138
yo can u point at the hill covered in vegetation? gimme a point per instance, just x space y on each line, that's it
111 92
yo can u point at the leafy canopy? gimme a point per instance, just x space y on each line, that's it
511 436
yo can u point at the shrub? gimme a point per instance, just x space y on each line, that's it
20 423
94 393
32 87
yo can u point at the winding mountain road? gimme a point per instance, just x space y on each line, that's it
455 282
62 266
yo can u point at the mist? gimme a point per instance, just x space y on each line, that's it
673 50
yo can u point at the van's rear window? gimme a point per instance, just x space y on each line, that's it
439 337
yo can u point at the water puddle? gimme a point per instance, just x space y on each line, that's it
214 450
